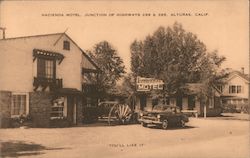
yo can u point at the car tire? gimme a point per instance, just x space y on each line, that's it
183 123
144 124
165 124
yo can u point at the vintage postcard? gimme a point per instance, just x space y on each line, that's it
124 79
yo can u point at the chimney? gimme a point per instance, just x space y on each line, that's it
242 70
3 29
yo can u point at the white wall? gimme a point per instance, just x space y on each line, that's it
17 68
237 80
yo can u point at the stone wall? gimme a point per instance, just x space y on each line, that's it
5 105
40 108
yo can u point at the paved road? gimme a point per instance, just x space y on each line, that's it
201 139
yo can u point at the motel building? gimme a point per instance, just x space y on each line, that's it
44 76
149 92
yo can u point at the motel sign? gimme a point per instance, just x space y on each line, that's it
148 84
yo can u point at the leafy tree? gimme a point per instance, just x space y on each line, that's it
110 64
128 88
177 57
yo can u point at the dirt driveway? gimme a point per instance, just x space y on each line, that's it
202 138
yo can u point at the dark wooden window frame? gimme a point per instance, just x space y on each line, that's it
66 45
42 70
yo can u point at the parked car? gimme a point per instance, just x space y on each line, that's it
163 116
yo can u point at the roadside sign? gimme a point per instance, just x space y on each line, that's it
148 84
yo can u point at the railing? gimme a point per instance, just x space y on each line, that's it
53 84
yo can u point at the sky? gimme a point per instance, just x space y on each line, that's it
222 25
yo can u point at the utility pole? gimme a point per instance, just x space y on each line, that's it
3 29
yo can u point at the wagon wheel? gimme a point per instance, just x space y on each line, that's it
120 113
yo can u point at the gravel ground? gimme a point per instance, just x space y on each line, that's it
202 138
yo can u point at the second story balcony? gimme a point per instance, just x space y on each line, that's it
45 83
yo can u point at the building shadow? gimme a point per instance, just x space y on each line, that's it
21 148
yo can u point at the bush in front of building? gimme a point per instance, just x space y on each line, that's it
245 108
213 112
236 108
59 122
229 108
22 120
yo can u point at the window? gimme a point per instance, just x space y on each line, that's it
235 89
232 89
66 45
239 89
19 105
45 68
59 108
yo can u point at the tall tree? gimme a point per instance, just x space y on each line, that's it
175 56
111 66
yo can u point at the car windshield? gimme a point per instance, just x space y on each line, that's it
166 108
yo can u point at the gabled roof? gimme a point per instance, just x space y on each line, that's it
52 34
84 54
32 36
238 73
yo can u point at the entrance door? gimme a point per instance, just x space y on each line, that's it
191 102
179 101
71 107
143 102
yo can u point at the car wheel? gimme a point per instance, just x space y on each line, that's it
183 123
165 124
144 124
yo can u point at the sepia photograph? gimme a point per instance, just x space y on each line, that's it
124 79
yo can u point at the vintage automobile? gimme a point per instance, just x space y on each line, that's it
163 116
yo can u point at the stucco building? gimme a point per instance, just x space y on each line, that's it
43 76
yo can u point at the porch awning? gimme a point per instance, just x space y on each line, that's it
47 54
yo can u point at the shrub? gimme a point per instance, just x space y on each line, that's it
59 122
245 108
22 120
236 108
213 112
229 108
